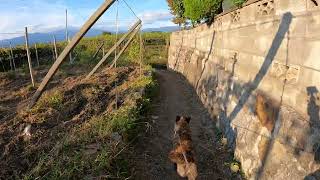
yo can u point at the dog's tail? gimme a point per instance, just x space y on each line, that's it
192 171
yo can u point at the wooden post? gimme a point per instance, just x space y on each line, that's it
37 55
52 51
103 52
55 46
125 46
28 55
70 54
113 48
75 40
67 37
10 62
4 69
12 57
98 50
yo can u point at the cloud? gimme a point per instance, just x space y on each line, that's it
48 15
151 17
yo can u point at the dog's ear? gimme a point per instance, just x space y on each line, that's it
178 118
188 119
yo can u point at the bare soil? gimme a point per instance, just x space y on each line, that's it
177 97
81 100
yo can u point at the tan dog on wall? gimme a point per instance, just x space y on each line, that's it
183 155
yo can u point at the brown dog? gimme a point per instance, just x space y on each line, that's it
183 155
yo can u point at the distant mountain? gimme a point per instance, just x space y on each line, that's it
60 35
162 29
47 37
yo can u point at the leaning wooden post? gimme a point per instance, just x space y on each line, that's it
125 46
75 40
28 55
55 46
97 52
37 55
12 57
113 48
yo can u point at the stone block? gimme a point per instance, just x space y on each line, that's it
313 25
283 6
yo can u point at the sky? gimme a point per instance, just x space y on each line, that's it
49 15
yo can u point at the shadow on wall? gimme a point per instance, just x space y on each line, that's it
207 58
178 55
252 86
232 134
282 30
313 112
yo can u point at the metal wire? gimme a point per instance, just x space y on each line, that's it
130 9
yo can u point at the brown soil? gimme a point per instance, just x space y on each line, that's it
177 97
81 100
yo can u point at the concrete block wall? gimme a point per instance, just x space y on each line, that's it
257 70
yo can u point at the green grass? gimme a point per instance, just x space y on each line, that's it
69 159
49 100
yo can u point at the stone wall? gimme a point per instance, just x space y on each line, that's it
257 70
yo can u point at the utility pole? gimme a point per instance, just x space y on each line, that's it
29 57
67 37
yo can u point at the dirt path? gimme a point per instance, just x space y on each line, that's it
177 97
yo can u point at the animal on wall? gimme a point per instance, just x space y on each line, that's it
183 153
266 112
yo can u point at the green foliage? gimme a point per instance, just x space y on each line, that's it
238 2
155 51
198 10
49 100
177 9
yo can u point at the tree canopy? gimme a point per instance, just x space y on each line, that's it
196 11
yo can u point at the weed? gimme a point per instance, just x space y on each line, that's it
71 158
49 100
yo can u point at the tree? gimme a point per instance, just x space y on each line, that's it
201 10
177 9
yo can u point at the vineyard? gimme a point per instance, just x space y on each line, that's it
155 45
75 115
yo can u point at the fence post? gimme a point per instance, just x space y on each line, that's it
4 69
113 48
28 55
75 40
12 57
55 46
52 51
37 56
